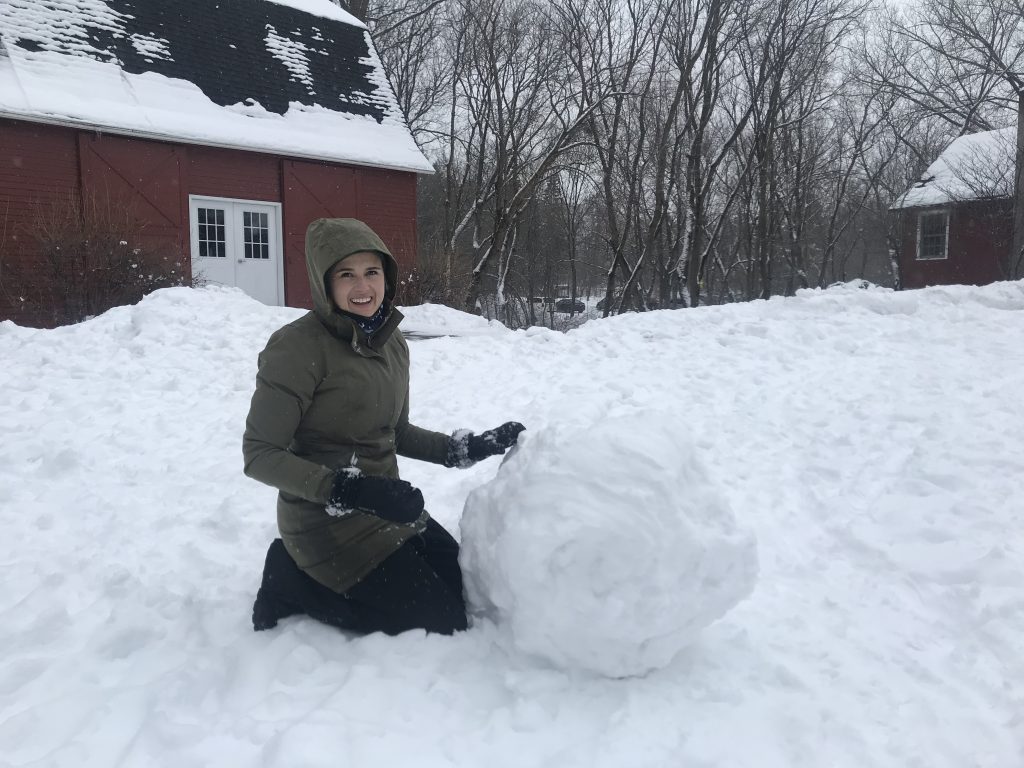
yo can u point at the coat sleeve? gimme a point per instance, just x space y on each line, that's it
290 369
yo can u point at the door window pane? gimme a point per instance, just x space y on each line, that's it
256 234
212 237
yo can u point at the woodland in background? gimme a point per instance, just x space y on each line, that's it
670 153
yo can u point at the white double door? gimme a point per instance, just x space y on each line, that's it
238 243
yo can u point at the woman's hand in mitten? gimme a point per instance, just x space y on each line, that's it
465 448
393 500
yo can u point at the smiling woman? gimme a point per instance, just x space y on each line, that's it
328 419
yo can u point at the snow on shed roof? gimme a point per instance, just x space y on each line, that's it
290 77
973 167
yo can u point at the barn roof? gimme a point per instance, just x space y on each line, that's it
977 166
291 77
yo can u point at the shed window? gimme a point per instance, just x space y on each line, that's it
932 235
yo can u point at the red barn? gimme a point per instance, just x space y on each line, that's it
225 127
956 224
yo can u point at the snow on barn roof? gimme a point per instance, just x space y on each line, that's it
289 77
977 166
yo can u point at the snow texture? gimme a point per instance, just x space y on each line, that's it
151 47
873 442
604 547
972 167
293 55
458 449
436 320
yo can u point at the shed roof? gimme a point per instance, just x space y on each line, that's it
977 166
289 77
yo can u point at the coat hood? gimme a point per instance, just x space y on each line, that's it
328 241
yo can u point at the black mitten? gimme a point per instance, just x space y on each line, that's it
394 500
465 448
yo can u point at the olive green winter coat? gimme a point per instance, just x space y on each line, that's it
327 397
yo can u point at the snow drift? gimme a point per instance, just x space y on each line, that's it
873 441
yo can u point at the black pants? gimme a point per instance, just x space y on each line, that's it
417 587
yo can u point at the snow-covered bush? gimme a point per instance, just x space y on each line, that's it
89 254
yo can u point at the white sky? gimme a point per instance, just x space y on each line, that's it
872 442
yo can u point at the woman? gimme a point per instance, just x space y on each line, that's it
328 417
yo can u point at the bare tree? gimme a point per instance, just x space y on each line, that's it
692 150
358 8
407 36
516 94
614 51
960 61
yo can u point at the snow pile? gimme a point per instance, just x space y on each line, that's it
873 441
439 320
605 547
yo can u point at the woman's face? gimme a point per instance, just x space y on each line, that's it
357 283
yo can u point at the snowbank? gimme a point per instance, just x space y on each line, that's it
873 441
439 320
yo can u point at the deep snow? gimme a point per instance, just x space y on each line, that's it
871 440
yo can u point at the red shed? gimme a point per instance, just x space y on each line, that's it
956 223
226 127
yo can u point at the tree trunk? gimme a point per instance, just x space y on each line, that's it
358 8
1014 261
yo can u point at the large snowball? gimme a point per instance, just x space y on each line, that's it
604 547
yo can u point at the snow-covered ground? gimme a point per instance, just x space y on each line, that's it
873 442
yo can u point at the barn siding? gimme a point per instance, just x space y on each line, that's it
387 202
144 175
146 178
980 235
43 165
233 173
38 171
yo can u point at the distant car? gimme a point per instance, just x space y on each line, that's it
568 305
